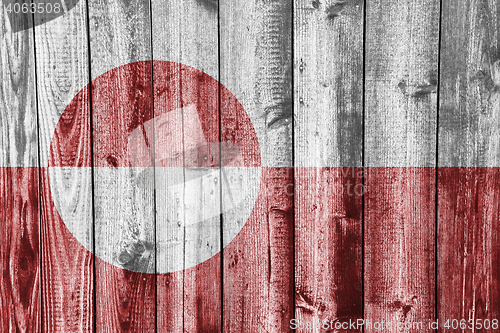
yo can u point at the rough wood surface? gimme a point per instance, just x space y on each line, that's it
468 272
401 112
120 33
123 201
166 36
296 67
328 73
190 300
19 250
255 57
170 220
399 247
19 199
67 268
18 123
328 256
468 276
328 37
470 76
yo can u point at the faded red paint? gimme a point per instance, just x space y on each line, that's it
468 253
175 85
19 250
468 213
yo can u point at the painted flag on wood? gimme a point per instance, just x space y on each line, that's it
156 186
353 191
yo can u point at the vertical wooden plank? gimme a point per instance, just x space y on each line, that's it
399 239
189 299
170 216
67 267
328 247
124 202
20 309
18 137
468 274
468 261
328 155
469 75
122 100
255 56
166 36
401 105
328 79
20 250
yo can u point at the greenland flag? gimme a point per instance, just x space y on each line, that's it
163 176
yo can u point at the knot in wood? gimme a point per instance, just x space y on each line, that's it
495 73
335 9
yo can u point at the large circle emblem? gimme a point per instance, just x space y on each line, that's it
154 166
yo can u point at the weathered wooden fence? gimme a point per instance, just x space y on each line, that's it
378 124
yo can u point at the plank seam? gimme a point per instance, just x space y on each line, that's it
39 177
363 177
89 62
436 204
181 86
154 164
221 226
292 64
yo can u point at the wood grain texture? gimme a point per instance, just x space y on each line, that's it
258 263
19 200
256 68
62 70
468 276
328 255
124 222
190 300
166 37
328 73
67 267
20 250
18 123
468 270
170 213
124 205
470 75
299 255
255 56
401 83
202 203
401 112
399 247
